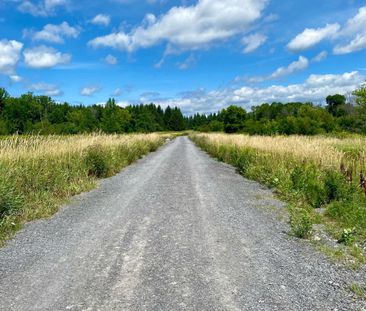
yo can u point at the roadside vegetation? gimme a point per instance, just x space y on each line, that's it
38 173
322 179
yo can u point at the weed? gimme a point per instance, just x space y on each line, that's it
347 236
96 161
301 222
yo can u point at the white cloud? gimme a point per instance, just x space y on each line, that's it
46 89
298 65
45 57
311 37
356 30
54 33
111 60
350 38
89 90
15 78
9 56
253 42
320 57
101 19
41 8
188 27
315 89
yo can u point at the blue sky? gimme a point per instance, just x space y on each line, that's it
200 55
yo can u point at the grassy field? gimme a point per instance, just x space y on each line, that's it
320 178
37 173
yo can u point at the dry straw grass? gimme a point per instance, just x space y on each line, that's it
22 147
37 173
325 151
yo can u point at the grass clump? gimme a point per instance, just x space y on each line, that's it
301 222
96 161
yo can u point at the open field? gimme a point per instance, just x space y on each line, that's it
318 176
37 173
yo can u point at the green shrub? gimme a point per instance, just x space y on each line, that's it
10 201
307 180
336 186
96 161
301 222
244 160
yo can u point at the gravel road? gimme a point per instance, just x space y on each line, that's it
175 231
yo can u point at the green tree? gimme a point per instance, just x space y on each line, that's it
334 103
115 119
361 96
4 95
233 118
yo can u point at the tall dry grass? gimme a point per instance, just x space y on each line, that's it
325 151
37 173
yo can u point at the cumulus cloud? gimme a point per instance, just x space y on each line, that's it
111 60
314 89
101 19
253 42
349 38
9 56
54 33
298 65
44 57
40 8
356 30
89 90
188 27
46 89
312 36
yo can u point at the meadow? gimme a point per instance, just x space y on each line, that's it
39 173
320 177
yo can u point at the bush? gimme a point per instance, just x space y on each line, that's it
336 186
10 201
96 161
301 222
306 179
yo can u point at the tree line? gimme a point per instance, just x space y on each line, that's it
40 114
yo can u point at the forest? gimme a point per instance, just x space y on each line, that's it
31 114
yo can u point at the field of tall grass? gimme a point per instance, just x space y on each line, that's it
37 173
320 177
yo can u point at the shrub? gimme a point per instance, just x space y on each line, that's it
10 201
306 179
336 186
301 222
96 161
244 159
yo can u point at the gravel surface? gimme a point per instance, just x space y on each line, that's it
175 231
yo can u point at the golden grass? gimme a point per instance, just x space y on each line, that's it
325 151
22 147
38 173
